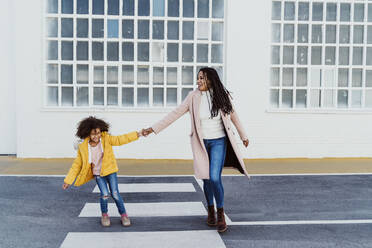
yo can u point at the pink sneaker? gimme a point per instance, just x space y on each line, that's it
125 221
105 220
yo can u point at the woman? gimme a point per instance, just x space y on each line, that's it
212 139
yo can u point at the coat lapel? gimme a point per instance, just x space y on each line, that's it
196 107
103 142
196 113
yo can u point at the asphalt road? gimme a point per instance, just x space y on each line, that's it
266 211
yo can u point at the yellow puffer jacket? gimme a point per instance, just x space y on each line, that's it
82 170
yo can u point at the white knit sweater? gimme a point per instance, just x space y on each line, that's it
212 128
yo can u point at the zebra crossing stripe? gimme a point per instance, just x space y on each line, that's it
153 187
148 209
179 239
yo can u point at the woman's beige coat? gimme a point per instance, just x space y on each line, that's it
201 161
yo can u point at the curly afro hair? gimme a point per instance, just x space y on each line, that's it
86 125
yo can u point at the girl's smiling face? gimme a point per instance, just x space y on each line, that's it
95 135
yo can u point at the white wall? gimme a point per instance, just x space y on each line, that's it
7 83
43 133
282 134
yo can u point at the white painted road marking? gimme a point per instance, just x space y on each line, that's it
148 209
298 222
153 187
179 239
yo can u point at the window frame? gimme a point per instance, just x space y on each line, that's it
323 67
135 63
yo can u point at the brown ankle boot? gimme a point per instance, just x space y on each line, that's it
221 223
211 221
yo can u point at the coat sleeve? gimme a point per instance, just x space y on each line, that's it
122 139
237 123
75 169
173 116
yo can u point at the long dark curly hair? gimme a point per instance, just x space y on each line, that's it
86 125
220 95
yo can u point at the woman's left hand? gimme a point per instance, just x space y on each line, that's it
246 142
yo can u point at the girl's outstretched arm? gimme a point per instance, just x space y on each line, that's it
124 139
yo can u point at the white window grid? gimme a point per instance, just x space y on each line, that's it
323 67
135 63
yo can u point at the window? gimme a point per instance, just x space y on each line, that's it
321 55
129 53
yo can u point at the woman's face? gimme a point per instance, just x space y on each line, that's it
202 82
95 135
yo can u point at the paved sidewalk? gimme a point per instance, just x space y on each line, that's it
12 165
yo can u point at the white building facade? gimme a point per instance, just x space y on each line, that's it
300 73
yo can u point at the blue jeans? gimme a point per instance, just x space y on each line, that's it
213 187
112 181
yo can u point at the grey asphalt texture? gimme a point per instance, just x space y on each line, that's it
36 212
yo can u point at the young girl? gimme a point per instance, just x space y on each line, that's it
95 159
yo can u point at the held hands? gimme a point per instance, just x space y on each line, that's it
147 131
246 142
